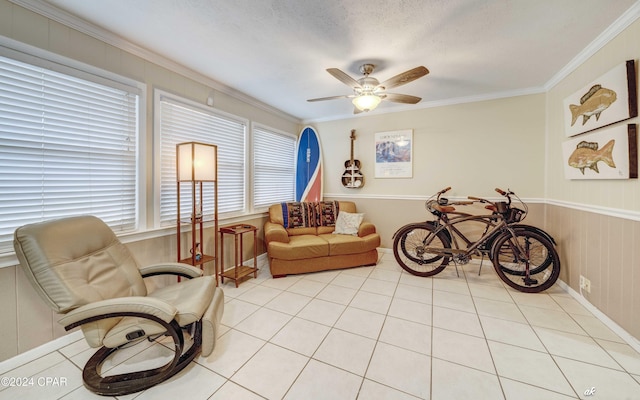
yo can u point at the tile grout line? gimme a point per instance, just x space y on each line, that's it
377 340
545 346
486 340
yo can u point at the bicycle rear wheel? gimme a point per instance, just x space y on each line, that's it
531 264
416 249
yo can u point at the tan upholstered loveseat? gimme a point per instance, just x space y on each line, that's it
295 246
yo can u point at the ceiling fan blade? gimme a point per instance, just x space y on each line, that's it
402 98
331 98
344 78
405 77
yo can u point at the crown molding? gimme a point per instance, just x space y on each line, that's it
49 11
619 25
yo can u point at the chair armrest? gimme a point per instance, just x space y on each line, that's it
184 270
366 228
275 233
120 306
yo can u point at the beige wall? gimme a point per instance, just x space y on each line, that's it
472 147
489 144
596 221
616 194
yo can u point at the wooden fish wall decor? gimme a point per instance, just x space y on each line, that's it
608 153
587 155
609 99
594 102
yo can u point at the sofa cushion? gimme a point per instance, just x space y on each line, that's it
301 231
299 247
348 223
347 244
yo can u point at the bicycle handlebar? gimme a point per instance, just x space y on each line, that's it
506 194
437 205
462 203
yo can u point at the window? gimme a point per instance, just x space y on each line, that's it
68 146
183 121
274 166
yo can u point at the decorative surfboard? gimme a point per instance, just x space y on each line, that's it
308 166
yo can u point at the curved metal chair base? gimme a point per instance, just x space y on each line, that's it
118 385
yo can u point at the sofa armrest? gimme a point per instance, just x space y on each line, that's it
366 228
275 233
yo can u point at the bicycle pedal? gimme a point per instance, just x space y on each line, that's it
530 281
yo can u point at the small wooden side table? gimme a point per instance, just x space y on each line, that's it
238 271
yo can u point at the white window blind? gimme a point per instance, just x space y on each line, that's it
274 167
182 123
68 147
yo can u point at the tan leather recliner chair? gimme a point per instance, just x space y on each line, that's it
81 270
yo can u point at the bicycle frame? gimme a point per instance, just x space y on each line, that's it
523 256
495 223
491 230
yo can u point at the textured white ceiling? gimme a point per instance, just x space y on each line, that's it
277 50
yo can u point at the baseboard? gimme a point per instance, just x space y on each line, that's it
611 324
261 259
40 351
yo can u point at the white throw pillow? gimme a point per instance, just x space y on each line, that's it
348 223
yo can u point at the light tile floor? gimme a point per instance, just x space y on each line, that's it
378 333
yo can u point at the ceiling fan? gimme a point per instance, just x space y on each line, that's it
368 92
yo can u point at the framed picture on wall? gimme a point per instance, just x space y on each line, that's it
608 99
610 153
394 154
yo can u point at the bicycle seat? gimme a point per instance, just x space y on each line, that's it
443 209
491 207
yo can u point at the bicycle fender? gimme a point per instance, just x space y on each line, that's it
522 227
431 224
535 229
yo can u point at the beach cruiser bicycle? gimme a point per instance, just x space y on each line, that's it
523 256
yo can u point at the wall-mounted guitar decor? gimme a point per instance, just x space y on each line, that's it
352 178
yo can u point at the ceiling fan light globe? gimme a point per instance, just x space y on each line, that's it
366 102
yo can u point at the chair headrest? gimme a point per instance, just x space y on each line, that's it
75 261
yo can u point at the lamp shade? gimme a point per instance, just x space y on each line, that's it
196 162
366 102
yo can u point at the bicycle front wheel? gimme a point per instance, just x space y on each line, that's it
527 262
420 251
505 254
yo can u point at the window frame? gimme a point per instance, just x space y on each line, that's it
147 177
158 96
37 57
253 170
